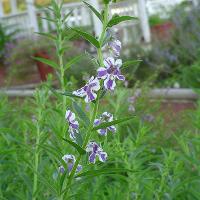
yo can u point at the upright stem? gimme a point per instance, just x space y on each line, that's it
60 60
89 130
36 158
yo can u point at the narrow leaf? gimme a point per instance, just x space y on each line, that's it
118 19
76 146
73 61
47 61
81 114
87 37
131 63
69 94
67 15
48 19
94 11
103 171
48 35
107 124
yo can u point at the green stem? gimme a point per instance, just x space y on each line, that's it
36 159
89 130
60 60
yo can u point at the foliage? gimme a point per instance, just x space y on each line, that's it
174 57
162 165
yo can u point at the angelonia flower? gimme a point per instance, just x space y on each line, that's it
94 151
73 124
88 91
70 161
115 47
110 72
105 117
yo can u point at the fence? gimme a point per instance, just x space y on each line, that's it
30 20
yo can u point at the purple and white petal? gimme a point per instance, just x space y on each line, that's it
80 93
108 62
70 117
61 169
102 73
94 84
73 133
102 156
120 77
112 129
79 168
91 96
70 167
109 83
102 132
97 122
92 157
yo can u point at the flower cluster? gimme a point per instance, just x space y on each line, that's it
108 73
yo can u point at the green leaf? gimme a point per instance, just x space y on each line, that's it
106 1
94 11
69 94
107 124
87 37
103 172
118 19
48 19
73 61
134 63
47 61
48 35
81 113
67 15
76 146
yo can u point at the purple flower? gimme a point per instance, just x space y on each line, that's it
105 117
115 47
73 124
110 72
69 160
95 151
88 90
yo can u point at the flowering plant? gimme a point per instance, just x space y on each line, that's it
107 75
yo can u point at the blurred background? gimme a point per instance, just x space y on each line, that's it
165 37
